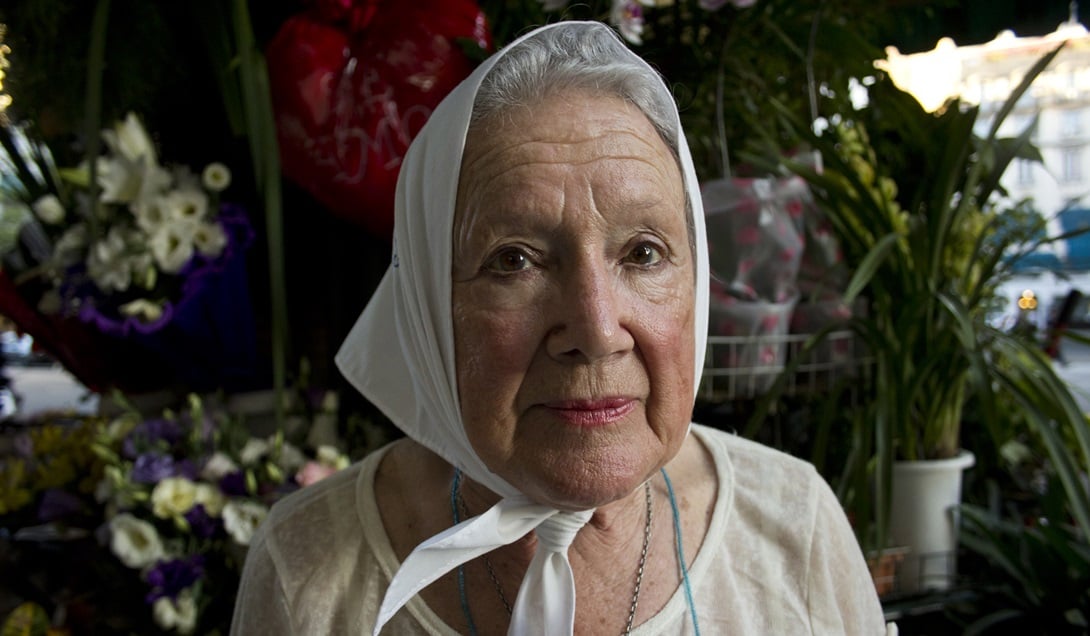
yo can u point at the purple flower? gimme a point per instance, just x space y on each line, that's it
152 434
715 5
168 578
201 523
234 484
151 468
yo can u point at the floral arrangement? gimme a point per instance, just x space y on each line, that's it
123 244
153 512
130 243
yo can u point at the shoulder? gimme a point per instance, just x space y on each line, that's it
750 461
322 546
775 500
316 531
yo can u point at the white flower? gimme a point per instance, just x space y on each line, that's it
106 263
179 614
240 519
330 402
49 209
151 214
254 450
216 177
291 458
211 498
134 541
143 309
218 466
209 239
142 267
129 139
627 16
185 205
330 456
172 246
126 181
71 244
174 496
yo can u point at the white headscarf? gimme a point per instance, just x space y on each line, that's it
400 356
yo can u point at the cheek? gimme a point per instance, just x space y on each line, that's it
493 350
669 356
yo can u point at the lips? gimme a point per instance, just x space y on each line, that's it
592 413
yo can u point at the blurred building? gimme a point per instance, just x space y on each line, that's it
1059 101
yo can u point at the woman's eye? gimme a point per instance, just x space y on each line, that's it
644 254
508 260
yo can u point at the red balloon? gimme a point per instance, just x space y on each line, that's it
352 83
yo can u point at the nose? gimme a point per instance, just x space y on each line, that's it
589 315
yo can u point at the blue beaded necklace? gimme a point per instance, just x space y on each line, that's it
455 486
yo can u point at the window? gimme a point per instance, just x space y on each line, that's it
1025 171
1072 164
1072 123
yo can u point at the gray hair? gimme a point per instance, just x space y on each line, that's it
579 56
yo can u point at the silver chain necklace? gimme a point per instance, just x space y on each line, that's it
639 568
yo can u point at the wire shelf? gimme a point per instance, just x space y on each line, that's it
745 367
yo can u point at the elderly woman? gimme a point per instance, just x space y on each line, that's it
538 337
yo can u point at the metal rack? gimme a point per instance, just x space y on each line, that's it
745 367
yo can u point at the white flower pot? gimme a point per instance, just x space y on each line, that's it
923 517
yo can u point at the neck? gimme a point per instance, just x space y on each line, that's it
612 531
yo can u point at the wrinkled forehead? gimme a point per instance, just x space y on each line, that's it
573 133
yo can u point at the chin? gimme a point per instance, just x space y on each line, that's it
586 485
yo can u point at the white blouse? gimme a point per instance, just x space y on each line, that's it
779 558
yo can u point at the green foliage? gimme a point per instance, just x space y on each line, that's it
1034 573
914 199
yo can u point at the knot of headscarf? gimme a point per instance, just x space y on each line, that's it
546 599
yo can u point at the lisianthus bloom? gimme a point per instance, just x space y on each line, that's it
201 524
253 451
169 578
107 263
179 614
627 16
291 458
143 309
209 239
218 465
241 518
135 541
151 468
151 435
313 472
715 5
210 497
172 246
49 209
173 496
216 177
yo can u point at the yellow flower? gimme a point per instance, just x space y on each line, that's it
210 497
174 496
143 309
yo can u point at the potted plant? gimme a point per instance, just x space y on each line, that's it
915 201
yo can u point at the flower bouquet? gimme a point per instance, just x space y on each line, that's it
129 272
143 523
